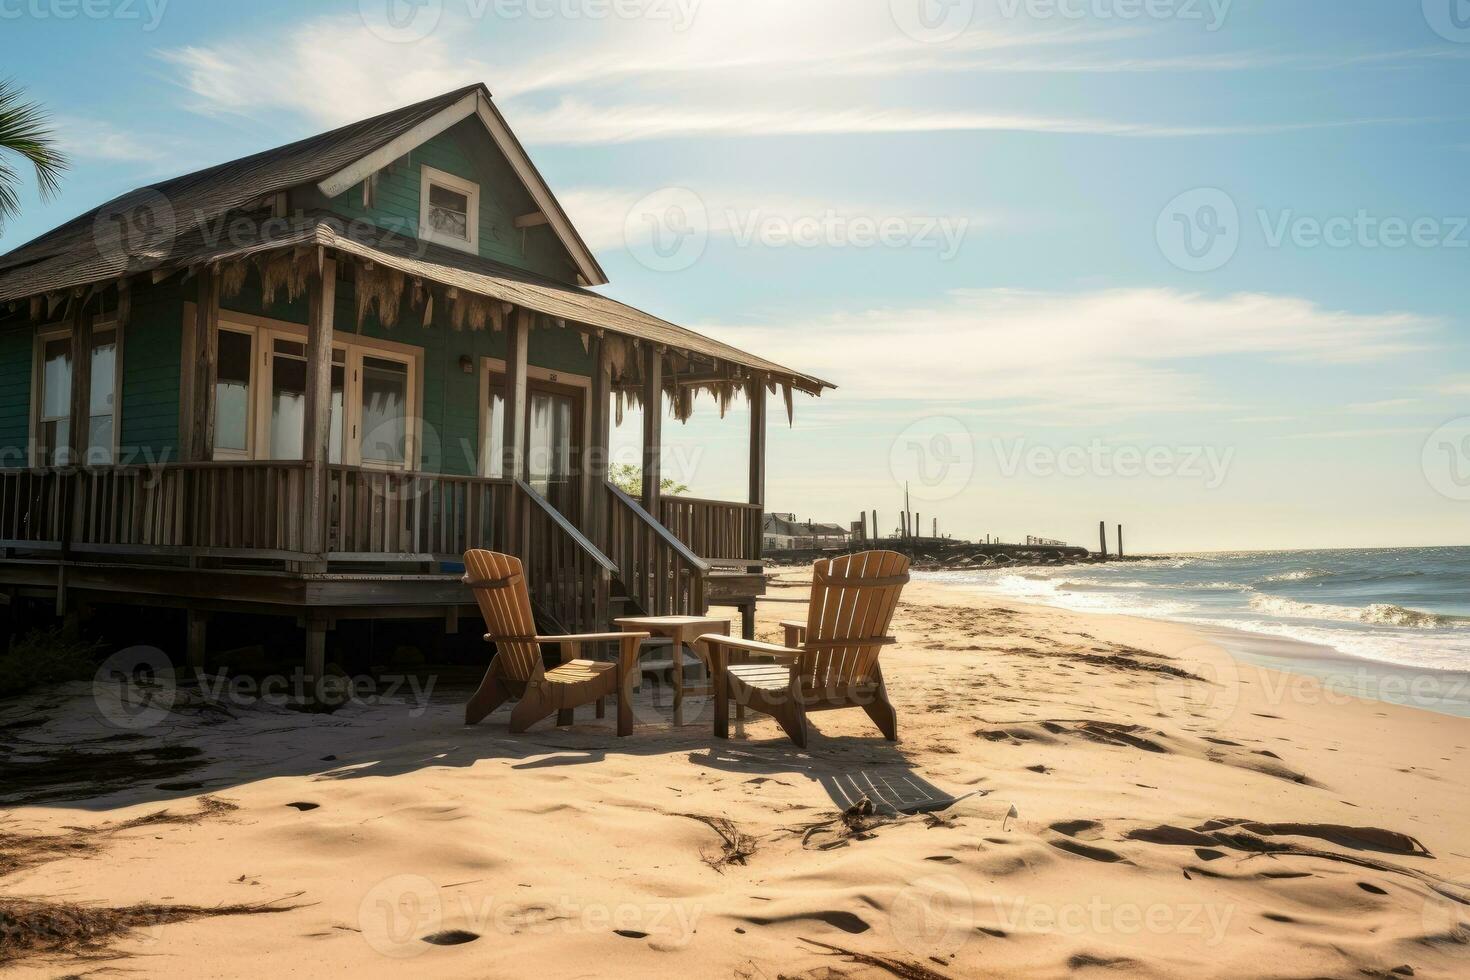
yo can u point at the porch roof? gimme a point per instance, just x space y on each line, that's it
258 234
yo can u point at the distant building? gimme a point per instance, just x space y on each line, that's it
783 532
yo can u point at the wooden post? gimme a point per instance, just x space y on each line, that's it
594 457
517 340
196 629
876 533
653 419
321 305
758 444
1102 538
81 382
1120 541
206 353
864 523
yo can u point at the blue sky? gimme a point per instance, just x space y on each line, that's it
1033 168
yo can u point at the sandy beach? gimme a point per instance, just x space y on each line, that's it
1130 801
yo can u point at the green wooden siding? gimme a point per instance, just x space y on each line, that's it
16 353
152 374
464 150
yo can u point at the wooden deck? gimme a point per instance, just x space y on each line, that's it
234 536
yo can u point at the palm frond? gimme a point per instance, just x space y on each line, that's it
25 130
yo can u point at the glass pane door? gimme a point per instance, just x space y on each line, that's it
384 411
288 401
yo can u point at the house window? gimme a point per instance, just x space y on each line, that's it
52 435
449 210
232 388
260 398
101 412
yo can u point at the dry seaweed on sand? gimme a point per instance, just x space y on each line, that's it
900 968
30 928
735 847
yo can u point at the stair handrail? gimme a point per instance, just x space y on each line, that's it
664 533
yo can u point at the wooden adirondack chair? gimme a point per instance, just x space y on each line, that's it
516 671
830 661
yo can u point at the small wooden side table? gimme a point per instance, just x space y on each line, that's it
681 631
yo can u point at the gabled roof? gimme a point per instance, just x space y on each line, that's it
337 159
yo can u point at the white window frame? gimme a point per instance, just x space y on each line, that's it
471 190
253 381
56 331
264 332
496 365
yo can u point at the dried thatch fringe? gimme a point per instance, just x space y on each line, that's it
381 287
786 393
293 271
617 355
232 276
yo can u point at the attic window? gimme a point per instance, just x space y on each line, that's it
449 210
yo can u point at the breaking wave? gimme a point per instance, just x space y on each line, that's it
1378 614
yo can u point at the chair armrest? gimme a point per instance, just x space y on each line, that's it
571 643
795 630
591 637
723 643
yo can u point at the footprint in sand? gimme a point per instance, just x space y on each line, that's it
451 937
303 807
846 921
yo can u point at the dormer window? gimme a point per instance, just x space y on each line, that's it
449 210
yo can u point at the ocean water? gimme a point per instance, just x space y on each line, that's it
1401 607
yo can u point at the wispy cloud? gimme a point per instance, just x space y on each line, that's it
95 139
1387 406
1075 356
732 73
608 217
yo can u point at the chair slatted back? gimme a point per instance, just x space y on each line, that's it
505 602
853 598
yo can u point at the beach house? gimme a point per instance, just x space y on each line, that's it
304 382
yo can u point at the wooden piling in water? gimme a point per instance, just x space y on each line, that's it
1102 538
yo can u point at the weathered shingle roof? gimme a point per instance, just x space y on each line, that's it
197 207
70 255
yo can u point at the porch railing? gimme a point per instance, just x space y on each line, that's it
714 529
662 574
375 515
256 509
244 508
